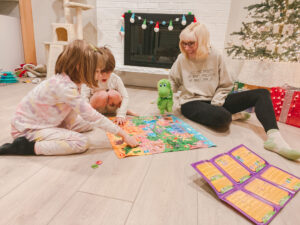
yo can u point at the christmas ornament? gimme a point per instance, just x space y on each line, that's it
156 28
122 31
183 20
132 18
195 21
144 25
122 17
170 27
276 28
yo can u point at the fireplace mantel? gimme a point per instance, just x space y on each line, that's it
141 76
150 46
142 69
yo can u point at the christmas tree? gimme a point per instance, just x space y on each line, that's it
272 34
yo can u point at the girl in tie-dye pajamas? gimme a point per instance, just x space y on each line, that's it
50 119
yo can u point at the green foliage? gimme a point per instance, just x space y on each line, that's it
273 32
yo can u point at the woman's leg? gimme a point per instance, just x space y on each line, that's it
206 114
261 100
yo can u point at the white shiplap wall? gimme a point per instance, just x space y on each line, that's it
214 13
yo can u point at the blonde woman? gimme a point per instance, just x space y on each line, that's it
200 74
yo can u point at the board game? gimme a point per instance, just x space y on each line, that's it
157 134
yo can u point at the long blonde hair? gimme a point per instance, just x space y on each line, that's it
79 61
201 35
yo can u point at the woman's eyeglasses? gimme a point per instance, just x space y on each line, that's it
188 44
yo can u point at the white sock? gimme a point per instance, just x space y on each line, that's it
276 143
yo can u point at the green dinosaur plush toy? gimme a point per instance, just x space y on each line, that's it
165 96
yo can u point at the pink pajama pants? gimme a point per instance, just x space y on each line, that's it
63 140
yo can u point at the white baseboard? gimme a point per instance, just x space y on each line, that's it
141 79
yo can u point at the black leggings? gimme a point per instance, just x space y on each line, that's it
221 116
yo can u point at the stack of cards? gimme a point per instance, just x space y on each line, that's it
248 183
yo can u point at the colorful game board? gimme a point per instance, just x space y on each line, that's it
249 184
158 134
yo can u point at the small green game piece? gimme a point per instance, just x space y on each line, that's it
95 166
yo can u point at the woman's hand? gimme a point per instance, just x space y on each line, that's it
120 121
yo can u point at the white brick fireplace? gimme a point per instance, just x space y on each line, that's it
214 13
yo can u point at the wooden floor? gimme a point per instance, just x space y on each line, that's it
160 189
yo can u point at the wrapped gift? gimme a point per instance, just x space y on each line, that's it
286 103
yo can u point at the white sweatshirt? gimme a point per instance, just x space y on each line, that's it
205 80
114 82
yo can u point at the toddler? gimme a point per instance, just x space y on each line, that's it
110 96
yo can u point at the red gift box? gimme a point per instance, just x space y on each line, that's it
286 103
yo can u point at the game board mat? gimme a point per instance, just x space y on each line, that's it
157 134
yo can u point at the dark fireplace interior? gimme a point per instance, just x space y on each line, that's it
149 48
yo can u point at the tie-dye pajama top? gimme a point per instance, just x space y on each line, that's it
48 104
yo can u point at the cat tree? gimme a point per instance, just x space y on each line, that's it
63 33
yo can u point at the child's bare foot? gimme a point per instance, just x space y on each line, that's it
131 113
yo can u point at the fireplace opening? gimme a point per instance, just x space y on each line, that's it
145 47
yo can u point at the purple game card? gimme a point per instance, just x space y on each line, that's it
249 183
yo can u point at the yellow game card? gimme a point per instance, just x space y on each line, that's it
249 159
233 168
281 178
268 191
221 183
253 207
253 187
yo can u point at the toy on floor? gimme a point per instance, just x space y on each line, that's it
30 70
248 183
8 77
158 134
165 96
97 164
